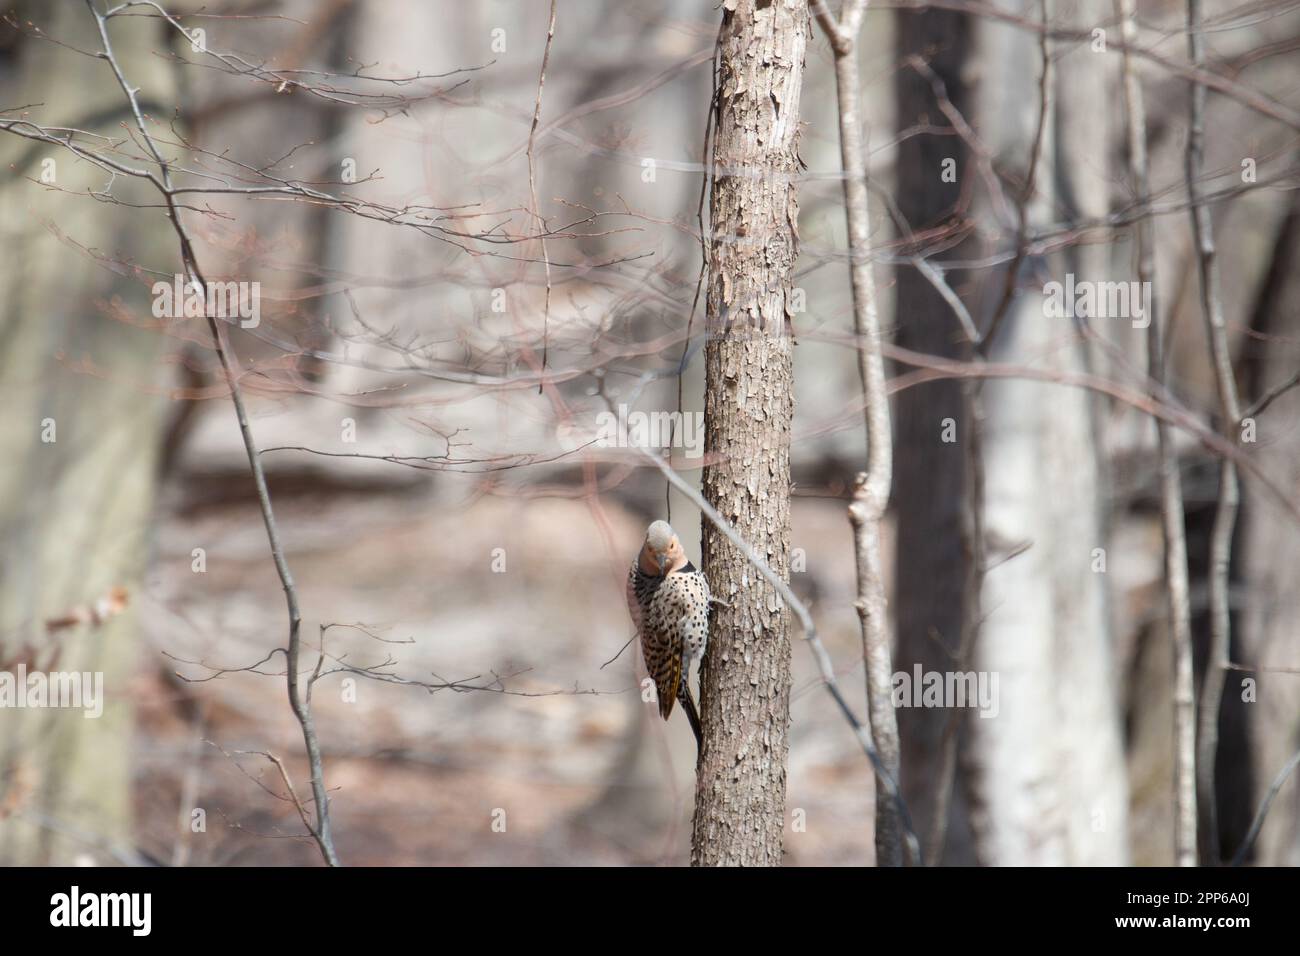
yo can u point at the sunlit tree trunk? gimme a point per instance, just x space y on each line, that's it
740 797
1048 775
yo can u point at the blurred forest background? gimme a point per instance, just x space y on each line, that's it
463 564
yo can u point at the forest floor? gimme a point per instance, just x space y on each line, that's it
566 766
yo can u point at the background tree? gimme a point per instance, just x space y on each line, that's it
1047 771
934 189
81 444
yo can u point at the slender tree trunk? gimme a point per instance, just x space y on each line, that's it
749 402
1171 491
1225 514
871 489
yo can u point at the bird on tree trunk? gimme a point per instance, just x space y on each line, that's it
669 603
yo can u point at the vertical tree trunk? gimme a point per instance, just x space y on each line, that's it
871 487
740 797
1093 778
74 512
1225 513
928 472
1048 774
1171 491
1270 552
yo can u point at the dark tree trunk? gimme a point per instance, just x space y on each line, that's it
928 473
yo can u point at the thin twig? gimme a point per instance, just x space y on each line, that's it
706 181
532 188
1027 192
1272 395
1258 823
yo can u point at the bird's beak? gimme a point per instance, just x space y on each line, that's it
661 558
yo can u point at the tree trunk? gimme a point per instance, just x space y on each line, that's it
74 511
929 472
1048 781
1270 692
749 402
1094 779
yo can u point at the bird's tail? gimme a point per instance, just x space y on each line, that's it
693 715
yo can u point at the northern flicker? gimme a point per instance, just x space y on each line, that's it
669 602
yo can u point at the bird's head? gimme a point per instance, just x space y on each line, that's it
662 553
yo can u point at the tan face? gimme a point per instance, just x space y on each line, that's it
659 558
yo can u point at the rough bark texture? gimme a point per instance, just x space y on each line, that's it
749 402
